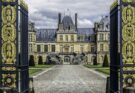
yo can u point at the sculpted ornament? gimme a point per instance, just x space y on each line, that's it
9 33
128 14
128 32
129 80
9 80
9 53
128 53
128 43
8 14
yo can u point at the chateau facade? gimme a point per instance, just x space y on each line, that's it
102 31
70 43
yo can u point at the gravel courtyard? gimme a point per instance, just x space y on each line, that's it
69 79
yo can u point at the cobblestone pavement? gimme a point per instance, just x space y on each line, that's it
69 79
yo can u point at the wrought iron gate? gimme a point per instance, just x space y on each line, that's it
127 8
122 45
14 45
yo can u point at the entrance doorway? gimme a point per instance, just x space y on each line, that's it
66 60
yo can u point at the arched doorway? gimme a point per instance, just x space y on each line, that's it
94 60
66 60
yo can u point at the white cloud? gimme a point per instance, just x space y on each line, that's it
85 23
44 12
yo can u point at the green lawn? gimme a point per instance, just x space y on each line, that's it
42 66
38 68
93 66
34 71
104 70
99 68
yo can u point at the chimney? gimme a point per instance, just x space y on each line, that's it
59 18
76 23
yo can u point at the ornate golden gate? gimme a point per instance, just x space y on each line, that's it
128 43
122 45
14 46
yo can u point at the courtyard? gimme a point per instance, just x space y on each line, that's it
58 47
70 79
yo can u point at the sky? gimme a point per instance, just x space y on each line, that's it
44 13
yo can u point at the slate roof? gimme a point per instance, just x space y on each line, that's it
85 31
67 22
46 35
49 35
104 24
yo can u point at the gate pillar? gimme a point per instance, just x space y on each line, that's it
122 45
13 70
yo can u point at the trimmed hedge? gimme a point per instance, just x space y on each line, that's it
31 61
40 60
106 63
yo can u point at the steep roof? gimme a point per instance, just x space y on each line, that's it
49 35
67 22
104 24
85 31
46 35
87 34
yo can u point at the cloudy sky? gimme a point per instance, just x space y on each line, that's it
45 12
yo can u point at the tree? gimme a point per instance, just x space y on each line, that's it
74 54
31 61
95 61
106 63
40 60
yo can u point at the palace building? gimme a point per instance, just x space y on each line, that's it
102 31
70 43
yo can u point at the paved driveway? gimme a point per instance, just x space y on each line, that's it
69 79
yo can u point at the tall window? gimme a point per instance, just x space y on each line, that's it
46 48
72 37
92 49
38 48
53 48
66 37
61 37
101 37
30 47
30 37
33 38
101 47
72 48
